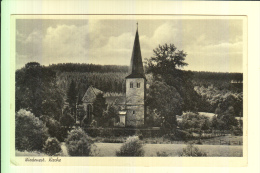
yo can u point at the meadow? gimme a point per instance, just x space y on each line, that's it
174 150
151 150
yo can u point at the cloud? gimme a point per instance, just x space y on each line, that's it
212 45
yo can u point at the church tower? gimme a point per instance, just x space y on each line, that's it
136 88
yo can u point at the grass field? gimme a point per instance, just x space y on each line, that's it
108 149
220 140
173 150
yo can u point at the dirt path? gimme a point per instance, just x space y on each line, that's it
64 149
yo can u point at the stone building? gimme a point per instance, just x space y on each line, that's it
136 88
132 104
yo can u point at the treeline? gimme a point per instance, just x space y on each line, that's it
212 87
82 68
111 77
106 82
219 80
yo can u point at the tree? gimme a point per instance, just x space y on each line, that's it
72 97
109 116
67 119
99 106
166 66
54 128
36 91
229 118
30 131
166 102
194 122
166 61
214 122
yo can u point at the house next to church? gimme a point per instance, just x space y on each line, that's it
132 104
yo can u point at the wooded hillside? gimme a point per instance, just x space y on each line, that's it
212 87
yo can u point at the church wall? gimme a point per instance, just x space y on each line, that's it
135 115
135 95
135 102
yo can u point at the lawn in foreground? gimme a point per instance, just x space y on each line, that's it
174 150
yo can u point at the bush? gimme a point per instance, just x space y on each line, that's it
162 154
51 146
139 134
113 140
30 132
67 119
192 151
132 147
179 135
79 143
55 130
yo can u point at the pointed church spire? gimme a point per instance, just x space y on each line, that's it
136 68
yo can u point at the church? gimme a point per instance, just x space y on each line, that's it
132 104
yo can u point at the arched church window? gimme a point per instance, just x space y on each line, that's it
131 85
138 85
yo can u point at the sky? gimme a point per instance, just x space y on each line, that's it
211 44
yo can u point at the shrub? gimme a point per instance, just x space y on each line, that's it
192 151
132 147
51 146
179 135
30 132
67 119
162 154
113 140
79 143
55 129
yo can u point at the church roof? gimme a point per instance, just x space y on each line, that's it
90 94
117 100
136 69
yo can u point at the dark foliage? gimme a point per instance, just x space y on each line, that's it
82 68
67 120
123 132
106 82
51 146
30 132
219 80
99 106
165 101
79 143
72 97
36 91
192 151
166 65
54 128
109 117
132 147
42 90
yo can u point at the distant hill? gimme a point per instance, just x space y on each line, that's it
77 67
211 86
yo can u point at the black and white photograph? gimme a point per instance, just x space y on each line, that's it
131 86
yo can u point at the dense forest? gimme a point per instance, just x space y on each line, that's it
211 86
111 78
44 90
